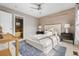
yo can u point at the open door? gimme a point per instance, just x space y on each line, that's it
19 27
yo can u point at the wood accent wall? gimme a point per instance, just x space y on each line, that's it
63 17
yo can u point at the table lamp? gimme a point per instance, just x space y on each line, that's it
39 28
67 26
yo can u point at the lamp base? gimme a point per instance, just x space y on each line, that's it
67 30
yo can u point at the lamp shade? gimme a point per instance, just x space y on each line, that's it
67 26
40 26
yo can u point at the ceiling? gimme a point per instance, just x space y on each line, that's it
46 8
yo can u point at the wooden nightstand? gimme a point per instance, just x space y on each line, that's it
67 36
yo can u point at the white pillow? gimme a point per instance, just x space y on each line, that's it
48 32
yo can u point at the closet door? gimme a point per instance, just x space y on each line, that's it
6 21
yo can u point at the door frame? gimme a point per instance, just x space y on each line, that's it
23 23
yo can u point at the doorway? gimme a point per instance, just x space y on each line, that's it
19 27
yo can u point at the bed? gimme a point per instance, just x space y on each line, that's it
45 42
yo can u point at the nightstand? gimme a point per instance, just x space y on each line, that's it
40 32
67 36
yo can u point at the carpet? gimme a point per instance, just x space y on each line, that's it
28 50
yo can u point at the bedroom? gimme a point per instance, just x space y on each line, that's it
43 29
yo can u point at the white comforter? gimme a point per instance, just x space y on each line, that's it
39 36
42 39
43 42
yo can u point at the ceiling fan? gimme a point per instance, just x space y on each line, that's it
38 6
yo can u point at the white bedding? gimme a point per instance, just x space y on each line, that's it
44 45
43 42
40 36
42 39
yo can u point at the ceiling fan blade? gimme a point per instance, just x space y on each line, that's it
39 6
34 8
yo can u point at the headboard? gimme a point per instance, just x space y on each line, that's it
55 27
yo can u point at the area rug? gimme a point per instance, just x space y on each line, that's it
28 50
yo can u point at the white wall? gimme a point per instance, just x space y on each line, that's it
30 26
